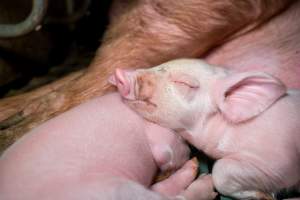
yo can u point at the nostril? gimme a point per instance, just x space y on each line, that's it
122 82
120 75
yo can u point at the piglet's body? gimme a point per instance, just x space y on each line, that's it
248 121
98 150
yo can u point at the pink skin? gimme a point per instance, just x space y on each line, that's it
99 150
273 48
248 121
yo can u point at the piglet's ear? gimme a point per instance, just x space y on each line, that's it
186 84
243 96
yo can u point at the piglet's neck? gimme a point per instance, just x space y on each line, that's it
207 134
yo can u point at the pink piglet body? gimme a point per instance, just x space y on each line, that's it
248 121
98 150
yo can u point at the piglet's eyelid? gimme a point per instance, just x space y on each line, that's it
185 84
135 88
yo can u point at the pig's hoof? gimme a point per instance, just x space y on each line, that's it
201 189
253 195
265 196
162 176
208 186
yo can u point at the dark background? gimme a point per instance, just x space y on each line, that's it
66 42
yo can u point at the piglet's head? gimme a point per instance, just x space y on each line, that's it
183 93
175 94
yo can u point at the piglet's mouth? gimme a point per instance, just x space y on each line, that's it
141 105
142 102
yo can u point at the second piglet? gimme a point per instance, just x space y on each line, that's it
99 150
248 121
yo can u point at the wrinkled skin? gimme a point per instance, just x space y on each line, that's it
248 121
99 150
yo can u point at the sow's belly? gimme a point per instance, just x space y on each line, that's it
273 48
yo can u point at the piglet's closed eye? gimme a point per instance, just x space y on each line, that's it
186 85
242 96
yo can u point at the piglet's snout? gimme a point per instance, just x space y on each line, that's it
124 81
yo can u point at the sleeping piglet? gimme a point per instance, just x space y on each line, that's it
248 121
